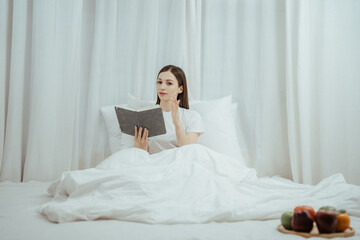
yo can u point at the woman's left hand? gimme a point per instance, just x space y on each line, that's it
175 111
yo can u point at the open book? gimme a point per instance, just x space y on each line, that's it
150 118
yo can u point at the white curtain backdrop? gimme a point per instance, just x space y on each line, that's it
292 67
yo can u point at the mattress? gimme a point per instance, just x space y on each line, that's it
20 219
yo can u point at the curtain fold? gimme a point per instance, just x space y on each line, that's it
5 47
19 63
54 85
244 55
193 42
291 66
320 51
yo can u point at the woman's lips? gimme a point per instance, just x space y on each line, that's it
162 94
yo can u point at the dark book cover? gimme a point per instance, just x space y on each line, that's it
152 119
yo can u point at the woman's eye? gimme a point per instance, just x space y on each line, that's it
158 82
169 83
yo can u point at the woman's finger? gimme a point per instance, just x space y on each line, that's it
136 132
140 133
146 134
143 137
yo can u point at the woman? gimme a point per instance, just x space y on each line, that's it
183 126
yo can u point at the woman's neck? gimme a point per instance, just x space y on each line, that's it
165 106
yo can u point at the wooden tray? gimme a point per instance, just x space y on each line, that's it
315 232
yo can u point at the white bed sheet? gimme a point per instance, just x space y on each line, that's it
19 219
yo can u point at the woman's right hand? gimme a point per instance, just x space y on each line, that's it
141 139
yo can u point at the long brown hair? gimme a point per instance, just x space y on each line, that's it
181 79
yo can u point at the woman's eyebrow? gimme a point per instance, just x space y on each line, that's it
166 79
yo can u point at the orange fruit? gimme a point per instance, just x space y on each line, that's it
343 222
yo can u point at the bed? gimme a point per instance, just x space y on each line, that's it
19 219
20 202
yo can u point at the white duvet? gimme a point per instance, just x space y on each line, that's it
191 184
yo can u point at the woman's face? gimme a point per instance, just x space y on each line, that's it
167 86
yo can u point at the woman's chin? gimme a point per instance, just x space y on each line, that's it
164 98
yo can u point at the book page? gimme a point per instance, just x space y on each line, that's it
126 107
149 107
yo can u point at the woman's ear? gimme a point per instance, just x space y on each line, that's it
181 89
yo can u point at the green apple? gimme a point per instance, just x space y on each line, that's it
286 218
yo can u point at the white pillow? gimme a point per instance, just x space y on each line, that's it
137 103
206 105
218 117
117 139
220 129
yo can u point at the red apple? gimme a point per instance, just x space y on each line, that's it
302 221
326 221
